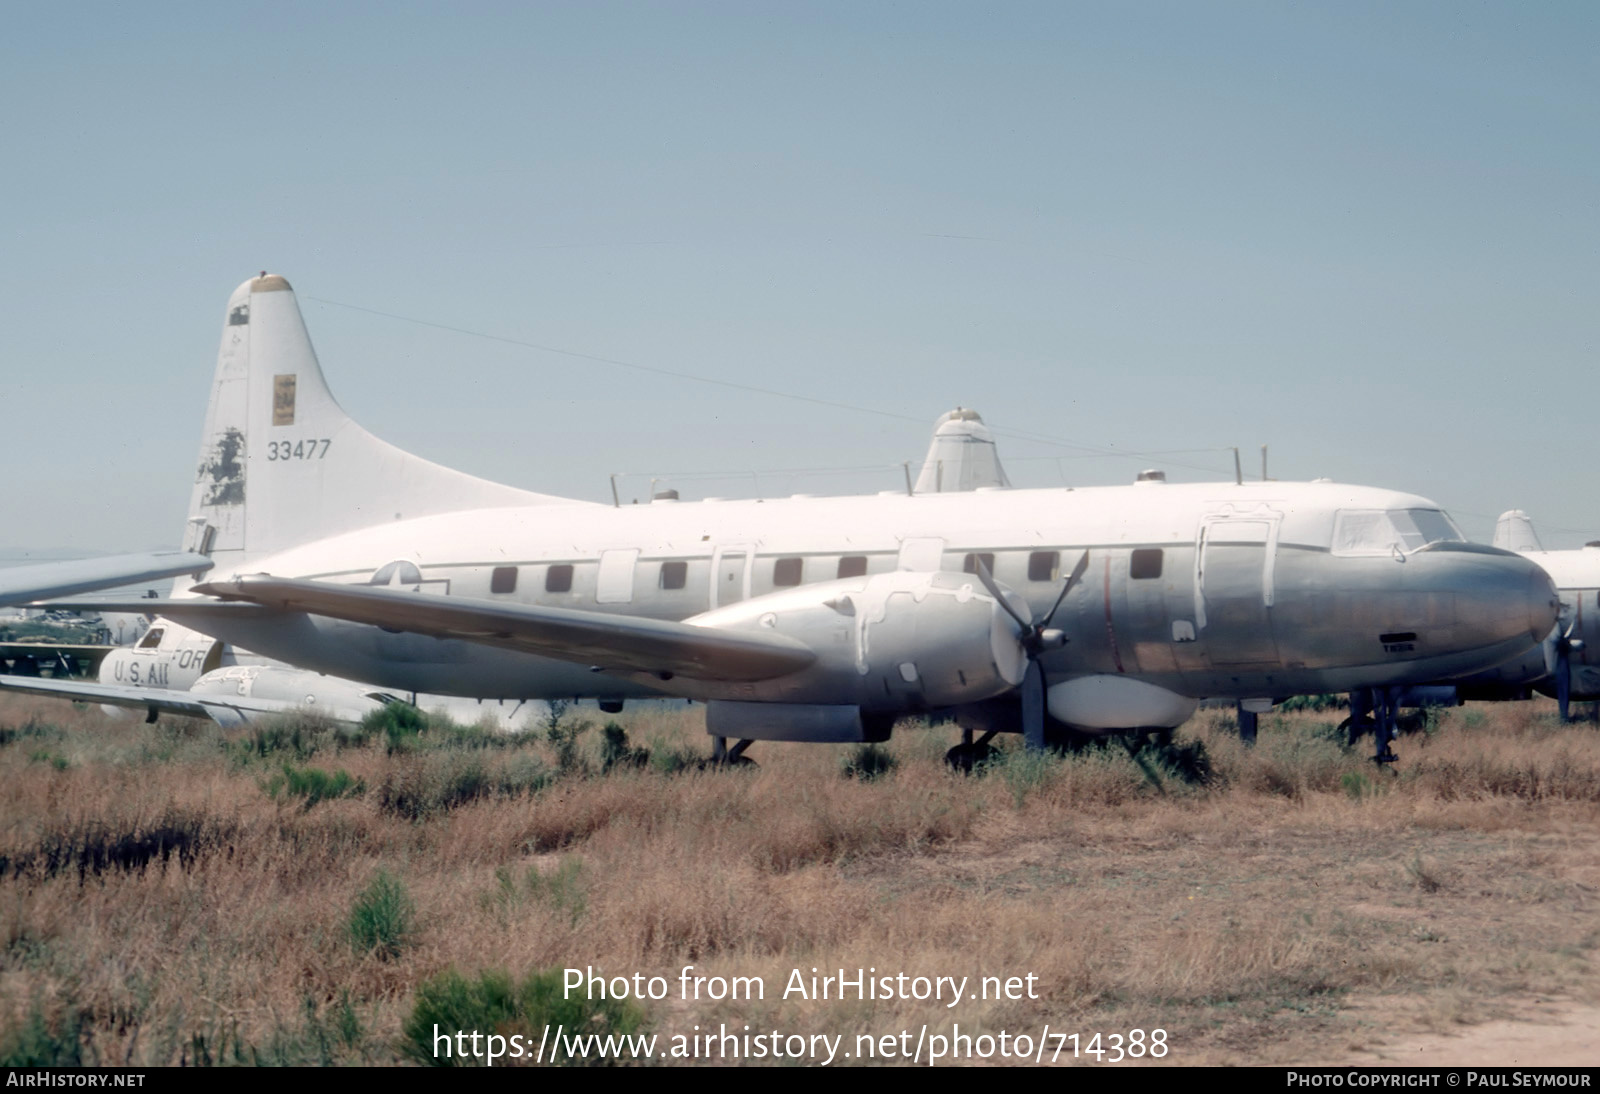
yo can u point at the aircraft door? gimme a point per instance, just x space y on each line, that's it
730 574
615 582
1234 590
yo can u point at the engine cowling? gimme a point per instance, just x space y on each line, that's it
896 642
1099 704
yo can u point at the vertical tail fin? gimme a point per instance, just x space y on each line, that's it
962 456
281 464
1514 532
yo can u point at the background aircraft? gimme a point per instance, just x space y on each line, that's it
22 584
962 456
1571 664
243 694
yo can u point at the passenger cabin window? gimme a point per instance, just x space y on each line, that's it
674 575
969 565
558 579
1145 563
152 638
503 580
853 566
786 571
1044 565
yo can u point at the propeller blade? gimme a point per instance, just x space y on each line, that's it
1563 679
1033 707
1077 574
994 590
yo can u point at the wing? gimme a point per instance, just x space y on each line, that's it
20 584
620 642
227 711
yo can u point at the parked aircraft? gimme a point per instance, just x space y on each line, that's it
961 457
242 694
816 619
1571 664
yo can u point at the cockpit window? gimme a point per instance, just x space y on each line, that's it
1385 531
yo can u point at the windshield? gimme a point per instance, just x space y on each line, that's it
1385 531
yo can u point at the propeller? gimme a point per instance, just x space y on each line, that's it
1037 636
1565 645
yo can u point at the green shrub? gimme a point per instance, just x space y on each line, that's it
31 728
561 889
437 783
867 762
667 758
43 1041
381 919
1025 771
563 732
313 784
494 1003
615 751
301 733
400 724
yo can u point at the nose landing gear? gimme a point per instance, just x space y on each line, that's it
1375 711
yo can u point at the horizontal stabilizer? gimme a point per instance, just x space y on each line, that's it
21 584
617 642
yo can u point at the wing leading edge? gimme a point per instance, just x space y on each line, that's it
618 642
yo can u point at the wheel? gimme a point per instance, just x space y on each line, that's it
964 758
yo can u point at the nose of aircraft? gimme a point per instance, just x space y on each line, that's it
1544 602
1501 596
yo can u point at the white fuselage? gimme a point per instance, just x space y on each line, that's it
1197 590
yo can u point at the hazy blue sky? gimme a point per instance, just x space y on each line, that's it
1365 234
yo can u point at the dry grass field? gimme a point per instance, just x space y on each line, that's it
301 894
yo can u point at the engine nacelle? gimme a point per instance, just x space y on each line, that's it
887 643
813 723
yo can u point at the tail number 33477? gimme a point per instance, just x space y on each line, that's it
312 449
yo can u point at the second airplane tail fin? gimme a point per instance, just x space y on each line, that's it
282 464
1514 532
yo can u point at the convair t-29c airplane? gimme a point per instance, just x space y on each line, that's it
815 619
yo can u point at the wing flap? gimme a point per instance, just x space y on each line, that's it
618 642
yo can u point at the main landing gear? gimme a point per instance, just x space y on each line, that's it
970 753
1247 724
723 756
